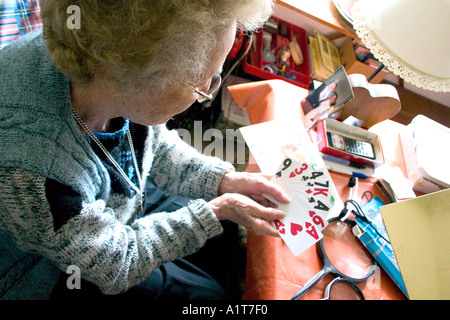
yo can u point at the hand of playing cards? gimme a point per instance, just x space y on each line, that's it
313 195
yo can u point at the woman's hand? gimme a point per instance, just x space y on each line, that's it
247 213
252 185
242 201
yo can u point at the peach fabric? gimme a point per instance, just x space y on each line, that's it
273 272
261 97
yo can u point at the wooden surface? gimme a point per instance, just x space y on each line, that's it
323 11
372 103
413 104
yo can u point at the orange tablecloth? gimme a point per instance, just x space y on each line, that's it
273 272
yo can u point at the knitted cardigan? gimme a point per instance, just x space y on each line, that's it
42 150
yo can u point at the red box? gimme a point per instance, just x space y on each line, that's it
350 131
254 63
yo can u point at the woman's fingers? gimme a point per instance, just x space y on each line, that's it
252 184
247 213
264 186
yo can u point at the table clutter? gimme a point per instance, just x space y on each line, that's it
282 147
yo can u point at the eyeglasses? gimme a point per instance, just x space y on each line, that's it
216 80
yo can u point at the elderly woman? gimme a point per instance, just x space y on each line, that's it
82 130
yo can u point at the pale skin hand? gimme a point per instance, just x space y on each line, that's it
242 202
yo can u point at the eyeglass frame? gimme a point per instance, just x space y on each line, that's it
353 286
211 90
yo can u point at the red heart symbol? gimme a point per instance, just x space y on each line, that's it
292 175
295 228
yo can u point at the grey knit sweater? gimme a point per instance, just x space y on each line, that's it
60 202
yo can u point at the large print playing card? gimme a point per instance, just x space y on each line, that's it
308 183
312 194
285 150
296 229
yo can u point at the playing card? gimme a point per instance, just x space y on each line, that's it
301 227
312 194
292 168
303 178
312 210
283 170
318 193
296 229
314 207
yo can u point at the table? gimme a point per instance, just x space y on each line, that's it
273 272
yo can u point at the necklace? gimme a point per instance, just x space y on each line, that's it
114 162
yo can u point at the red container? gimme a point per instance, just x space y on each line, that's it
351 131
254 63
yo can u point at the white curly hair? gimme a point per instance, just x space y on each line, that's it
142 42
